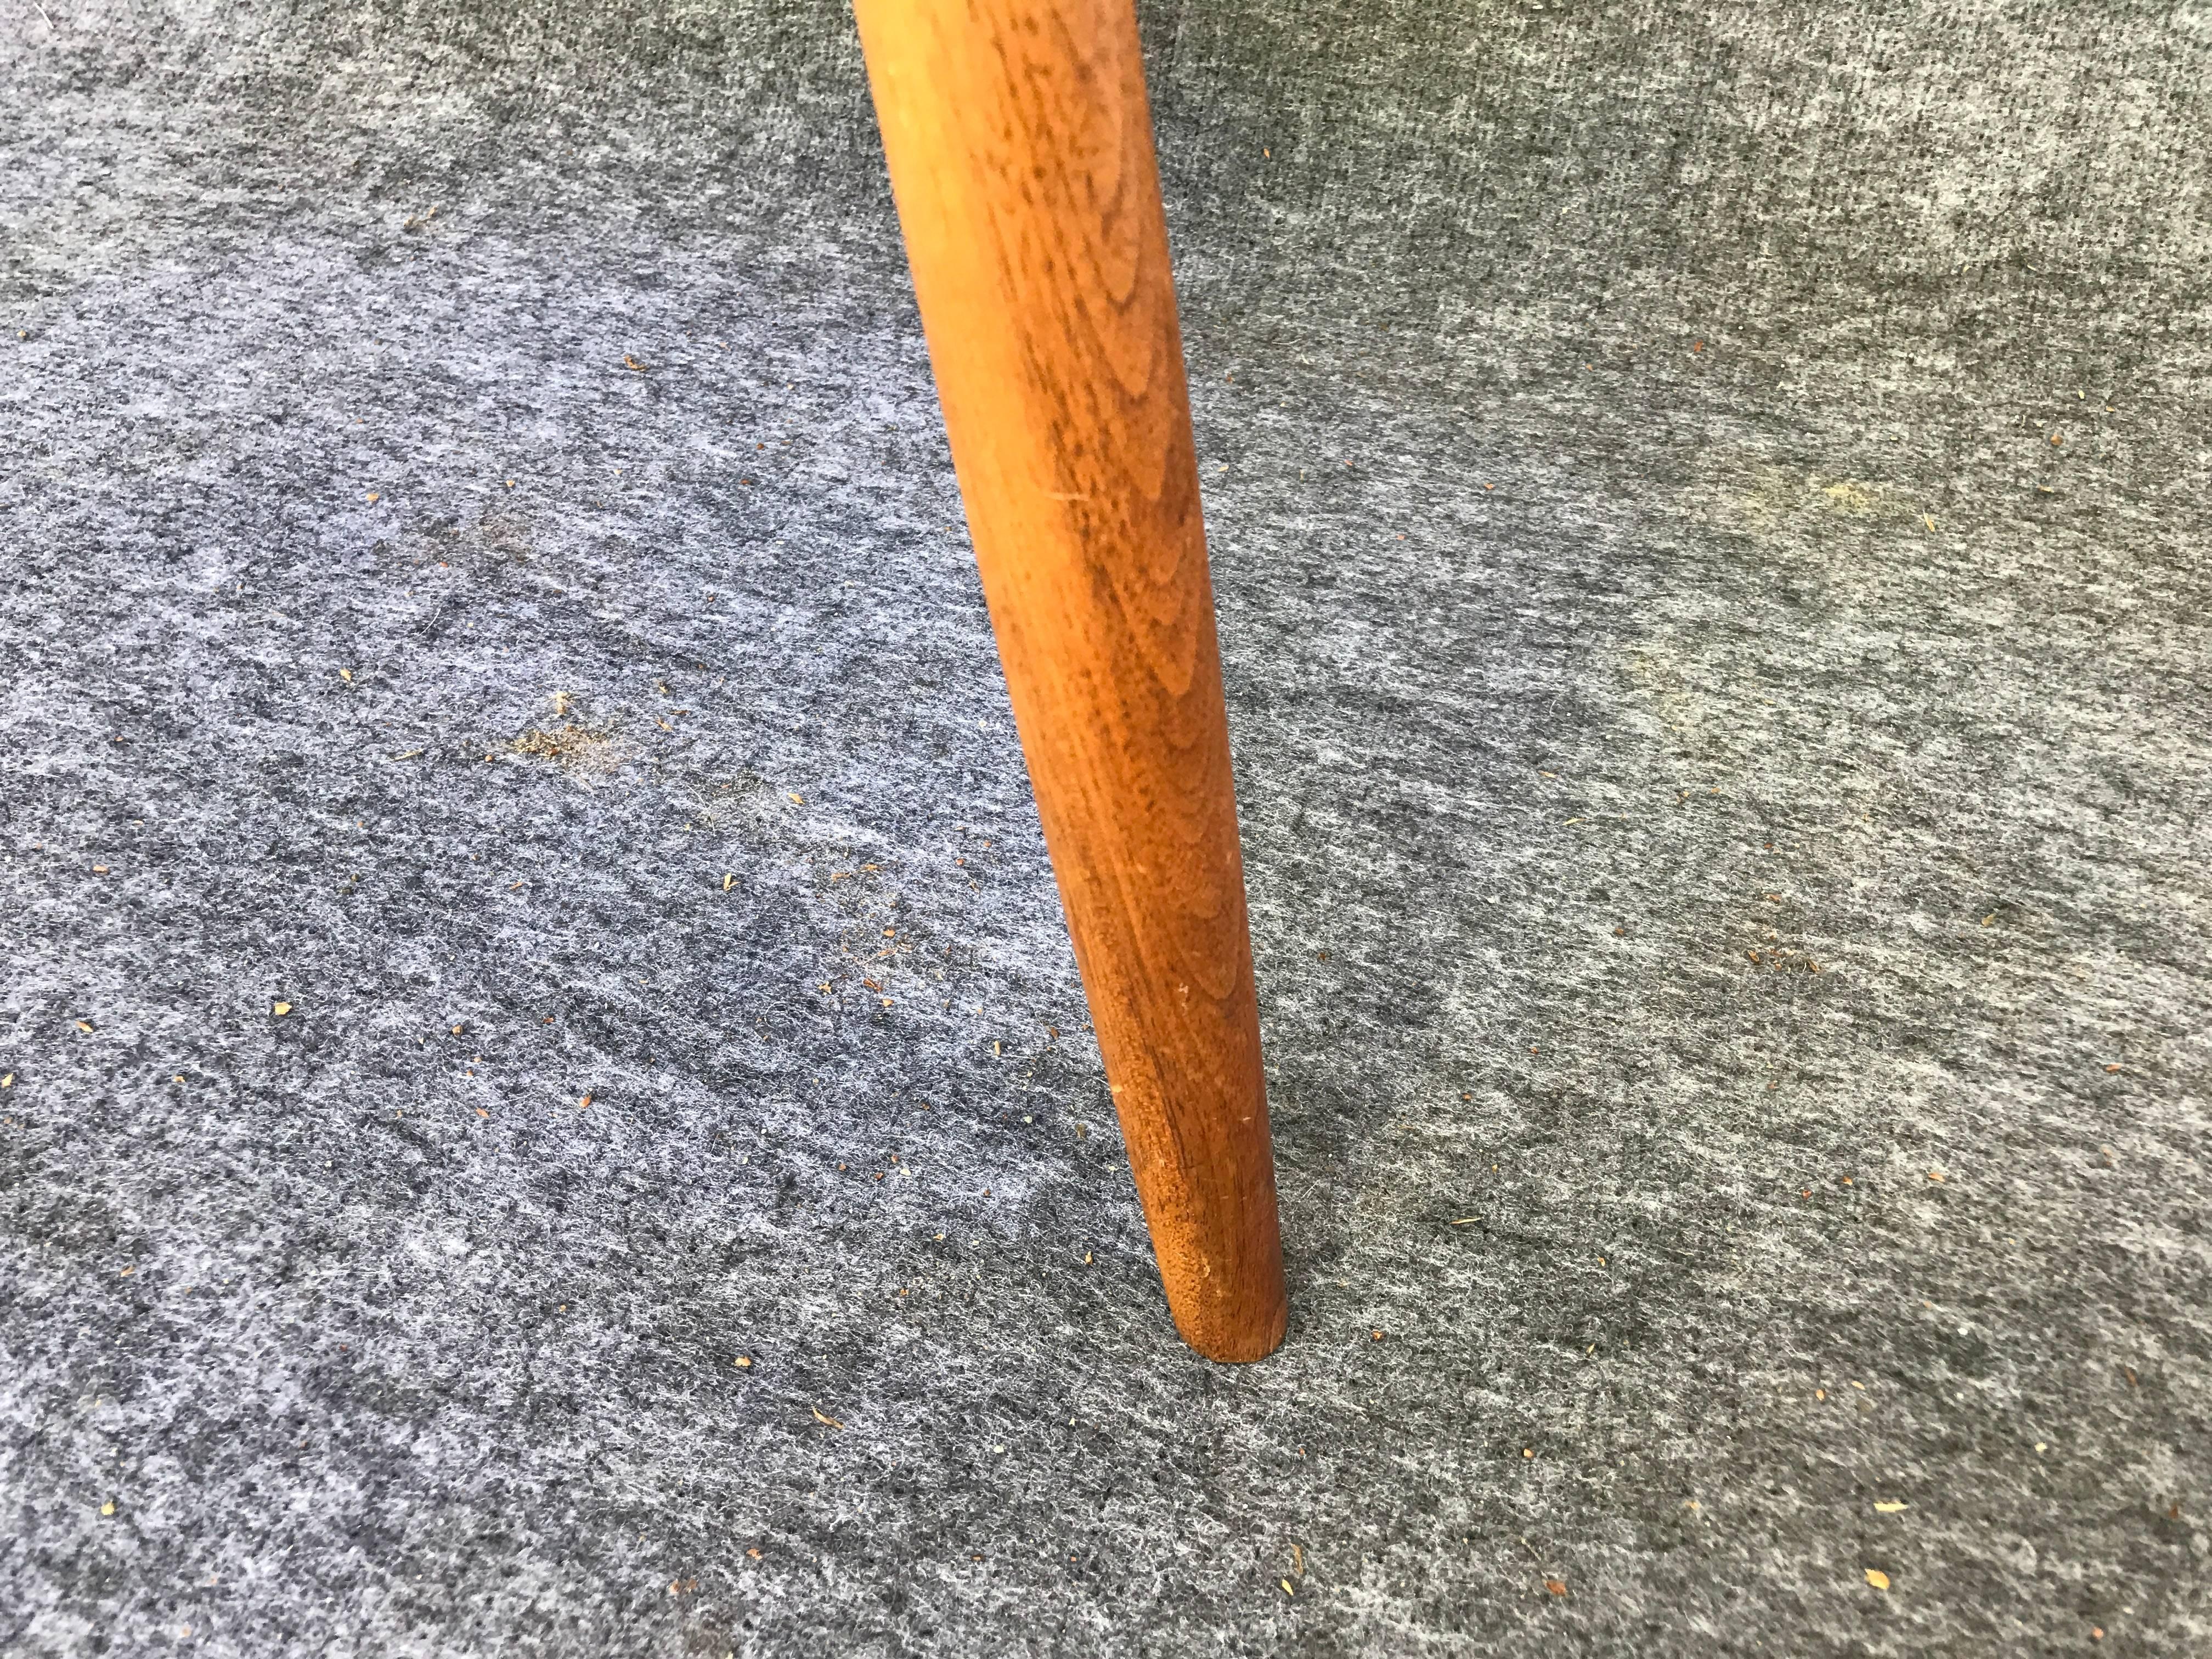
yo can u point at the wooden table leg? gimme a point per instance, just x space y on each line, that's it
1021 157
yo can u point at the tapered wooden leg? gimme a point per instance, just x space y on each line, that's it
1021 157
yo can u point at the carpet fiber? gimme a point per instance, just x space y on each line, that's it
548 1104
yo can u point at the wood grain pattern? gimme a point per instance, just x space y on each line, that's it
1021 157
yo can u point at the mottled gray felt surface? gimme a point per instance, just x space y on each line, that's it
1709 508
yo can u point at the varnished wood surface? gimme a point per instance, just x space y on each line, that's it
1021 157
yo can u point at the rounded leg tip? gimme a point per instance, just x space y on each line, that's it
1237 1337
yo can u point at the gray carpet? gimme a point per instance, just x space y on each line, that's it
1709 508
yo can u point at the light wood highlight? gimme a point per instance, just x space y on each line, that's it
1021 157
